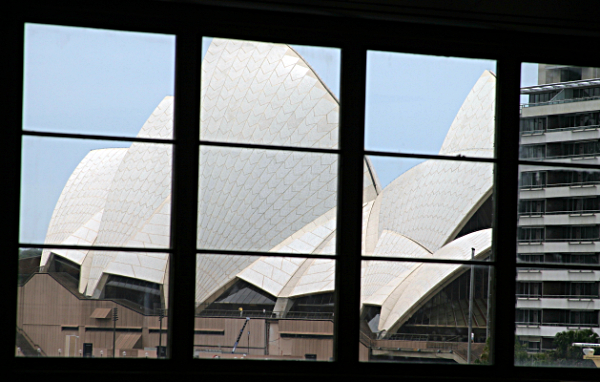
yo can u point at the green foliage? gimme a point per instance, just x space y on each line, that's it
520 352
485 355
563 341
564 355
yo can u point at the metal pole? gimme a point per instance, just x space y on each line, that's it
115 319
160 318
471 288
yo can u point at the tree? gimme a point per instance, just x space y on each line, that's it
564 340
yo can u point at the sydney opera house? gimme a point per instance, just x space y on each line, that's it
270 200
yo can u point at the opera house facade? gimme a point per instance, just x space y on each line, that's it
280 201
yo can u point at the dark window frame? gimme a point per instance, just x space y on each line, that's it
423 31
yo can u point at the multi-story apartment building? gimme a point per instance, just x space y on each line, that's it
559 206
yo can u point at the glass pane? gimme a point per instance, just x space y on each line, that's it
557 317
432 209
70 307
264 307
261 93
560 113
94 81
267 200
91 192
558 215
424 312
430 105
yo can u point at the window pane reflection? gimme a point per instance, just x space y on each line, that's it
95 81
429 105
556 311
424 313
263 93
96 195
558 216
65 311
264 307
432 206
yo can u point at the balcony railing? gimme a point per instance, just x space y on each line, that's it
559 101
427 337
569 156
565 184
574 212
552 130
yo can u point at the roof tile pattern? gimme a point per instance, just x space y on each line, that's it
432 201
318 278
265 94
82 199
426 279
472 131
84 194
378 274
428 202
136 200
254 199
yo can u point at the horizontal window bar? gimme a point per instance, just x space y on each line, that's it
426 156
269 147
426 260
95 248
265 254
97 137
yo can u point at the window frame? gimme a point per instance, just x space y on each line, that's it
189 22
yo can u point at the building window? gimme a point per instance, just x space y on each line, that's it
531 234
533 179
533 125
533 152
529 289
528 316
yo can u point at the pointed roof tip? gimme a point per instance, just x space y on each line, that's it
487 71
315 74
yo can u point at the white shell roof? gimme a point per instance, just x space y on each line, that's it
278 201
82 200
137 207
421 283
254 199
472 131
376 275
263 93
431 202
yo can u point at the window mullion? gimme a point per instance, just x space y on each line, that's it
504 236
349 213
184 207
12 160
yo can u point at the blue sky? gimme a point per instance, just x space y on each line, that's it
105 82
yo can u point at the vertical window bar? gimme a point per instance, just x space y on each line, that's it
12 161
349 212
184 196
504 236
